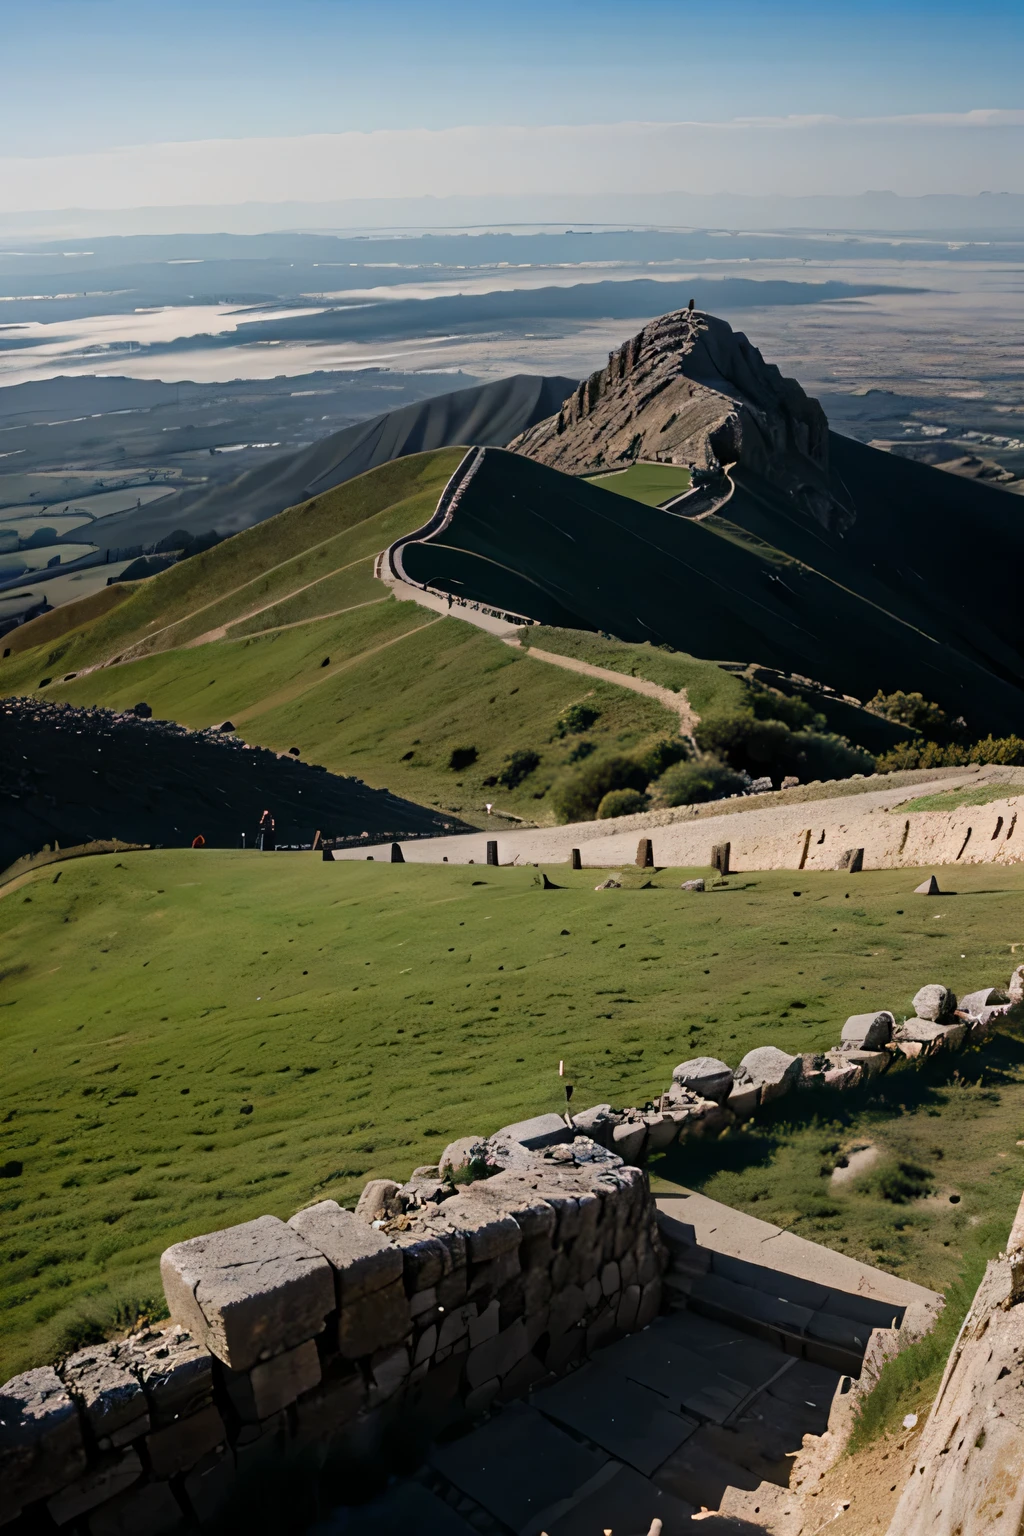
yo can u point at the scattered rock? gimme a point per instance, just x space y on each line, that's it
934 1002
608 885
706 1076
868 1031
770 1070
987 997
692 885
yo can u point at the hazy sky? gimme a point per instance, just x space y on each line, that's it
110 103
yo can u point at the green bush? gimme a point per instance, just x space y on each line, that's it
662 755
576 719
517 767
910 709
579 793
621 802
931 754
770 747
690 783
794 712
462 757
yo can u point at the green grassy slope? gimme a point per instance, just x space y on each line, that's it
652 484
404 686
710 689
255 570
527 538
368 1013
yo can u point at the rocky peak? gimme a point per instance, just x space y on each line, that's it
690 390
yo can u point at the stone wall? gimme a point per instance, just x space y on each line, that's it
503 1266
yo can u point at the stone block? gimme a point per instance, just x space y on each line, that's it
451 1291
705 1076
1015 986
600 1329
422 1302
150 1510
625 1316
250 1291
497 1356
987 997
481 1398
178 1447
111 1475
629 1141
769 1069
374 1321
598 1122
388 1372
567 1308
538 1132
662 1131
488 1233
511 1301
650 1304
176 1373
692 885
107 1389
372 1204
592 1293
924 1032
209 1486
744 1100
871 1063
536 1290
325 1412
273 1384
425 1259
485 1325
611 1281
841 1073
425 1345
852 861
868 1031
934 1002
456 1326
468 1155
363 1259
41 1448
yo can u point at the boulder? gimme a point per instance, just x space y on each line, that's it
868 1031
770 1070
743 1100
842 1073
934 1002
812 1070
662 1131
706 1076
929 1035
987 997
692 885
629 1140
249 1291
608 885
598 1123
373 1202
871 1063
466 1157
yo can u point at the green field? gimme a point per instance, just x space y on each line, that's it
652 484
192 1039
710 689
953 799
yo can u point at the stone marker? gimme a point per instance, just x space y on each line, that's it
929 887
868 1031
934 1002
397 856
248 1292
769 1069
492 851
574 859
692 885
645 853
852 861
720 857
1015 991
706 1076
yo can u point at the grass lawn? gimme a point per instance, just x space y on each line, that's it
194 1039
650 483
952 799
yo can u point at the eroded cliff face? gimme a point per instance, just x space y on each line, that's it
690 390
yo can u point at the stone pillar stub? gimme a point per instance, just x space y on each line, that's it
248 1292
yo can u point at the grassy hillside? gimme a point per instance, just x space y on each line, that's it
710 689
193 1039
298 552
653 484
571 554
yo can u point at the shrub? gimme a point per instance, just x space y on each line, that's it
690 783
769 747
579 793
903 1182
576 719
462 757
931 754
794 712
621 802
581 750
910 709
517 767
662 755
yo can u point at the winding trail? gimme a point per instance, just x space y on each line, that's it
678 703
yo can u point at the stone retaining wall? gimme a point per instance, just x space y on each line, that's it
503 1266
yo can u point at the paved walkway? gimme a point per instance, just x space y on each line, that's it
700 1415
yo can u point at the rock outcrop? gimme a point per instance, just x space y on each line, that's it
690 390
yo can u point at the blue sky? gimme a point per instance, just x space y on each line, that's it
84 76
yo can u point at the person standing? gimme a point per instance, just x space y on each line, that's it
267 840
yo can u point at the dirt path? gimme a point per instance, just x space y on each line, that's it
678 703
223 631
